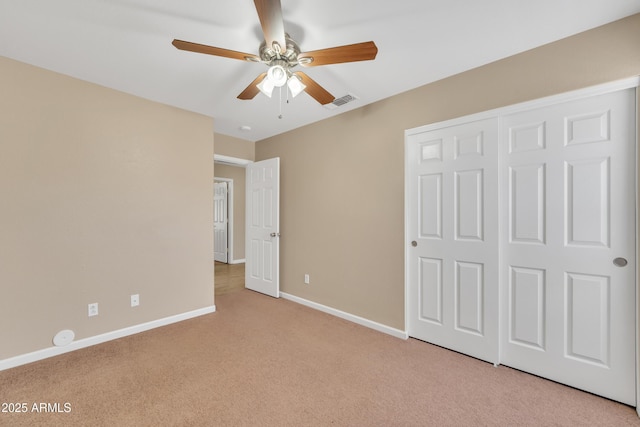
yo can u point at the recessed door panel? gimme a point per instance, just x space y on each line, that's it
256 176
256 208
469 201
430 204
527 137
254 268
431 150
468 145
430 290
587 318
588 202
527 307
469 297
267 207
527 195
267 261
586 128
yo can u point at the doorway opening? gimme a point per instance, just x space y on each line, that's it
230 273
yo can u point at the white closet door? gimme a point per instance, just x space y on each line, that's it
568 179
452 195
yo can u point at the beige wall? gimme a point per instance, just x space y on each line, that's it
238 175
103 195
234 147
342 203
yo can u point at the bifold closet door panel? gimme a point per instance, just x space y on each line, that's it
567 180
452 191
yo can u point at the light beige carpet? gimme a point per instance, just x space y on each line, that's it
259 361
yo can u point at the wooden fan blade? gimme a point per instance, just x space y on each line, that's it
252 90
319 93
349 53
270 14
217 51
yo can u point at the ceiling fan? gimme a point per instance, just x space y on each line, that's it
281 53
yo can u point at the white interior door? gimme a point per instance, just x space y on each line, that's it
220 222
452 237
263 227
569 186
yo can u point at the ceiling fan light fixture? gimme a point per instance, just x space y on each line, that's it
295 85
277 75
281 53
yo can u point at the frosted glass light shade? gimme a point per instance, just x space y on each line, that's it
295 86
277 75
266 86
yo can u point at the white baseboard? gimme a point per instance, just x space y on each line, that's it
348 316
23 359
237 261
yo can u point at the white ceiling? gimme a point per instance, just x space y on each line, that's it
126 45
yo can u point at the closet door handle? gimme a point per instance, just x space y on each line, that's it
620 262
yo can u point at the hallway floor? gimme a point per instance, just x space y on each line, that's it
228 278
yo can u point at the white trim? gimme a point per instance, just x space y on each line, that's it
237 261
23 359
529 105
234 161
407 219
348 316
637 118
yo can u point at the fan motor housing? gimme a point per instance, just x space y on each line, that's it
290 55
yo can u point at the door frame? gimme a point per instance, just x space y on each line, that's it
629 83
230 161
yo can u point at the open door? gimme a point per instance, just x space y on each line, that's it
220 222
263 227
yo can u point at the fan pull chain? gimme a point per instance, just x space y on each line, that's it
280 92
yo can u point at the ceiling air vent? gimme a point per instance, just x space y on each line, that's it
339 102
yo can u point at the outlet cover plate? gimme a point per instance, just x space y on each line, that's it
93 309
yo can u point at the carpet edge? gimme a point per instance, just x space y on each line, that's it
347 316
46 353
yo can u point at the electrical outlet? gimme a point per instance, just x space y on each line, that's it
93 309
135 300
306 279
